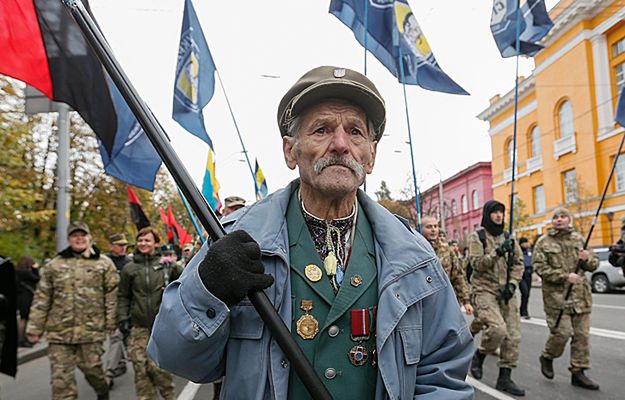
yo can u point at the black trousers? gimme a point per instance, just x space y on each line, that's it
525 286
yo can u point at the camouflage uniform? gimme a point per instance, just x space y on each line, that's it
140 295
148 376
555 256
500 322
75 303
454 270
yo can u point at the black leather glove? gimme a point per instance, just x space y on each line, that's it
232 268
505 247
507 291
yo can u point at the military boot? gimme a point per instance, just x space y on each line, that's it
476 364
546 367
579 379
506 384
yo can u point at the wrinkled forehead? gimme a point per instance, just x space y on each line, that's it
560 215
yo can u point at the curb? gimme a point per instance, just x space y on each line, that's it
32 354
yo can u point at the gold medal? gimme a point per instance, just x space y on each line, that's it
313 273
358 355
307 325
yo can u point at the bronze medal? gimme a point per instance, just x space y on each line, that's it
307 326
356 280
313 273
358 355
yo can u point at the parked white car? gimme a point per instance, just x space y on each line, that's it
607 277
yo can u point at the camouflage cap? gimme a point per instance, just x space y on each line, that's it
233 201
77 226
119 239
332 83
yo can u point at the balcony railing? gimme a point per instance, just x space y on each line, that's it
507 174
563 146
533 164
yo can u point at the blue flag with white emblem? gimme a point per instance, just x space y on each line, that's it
133 159
533 24
395 38
195 76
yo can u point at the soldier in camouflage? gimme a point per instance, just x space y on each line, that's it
449 260
75 304
140 294
493 287
555 259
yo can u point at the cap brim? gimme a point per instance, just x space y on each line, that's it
121 243
372 105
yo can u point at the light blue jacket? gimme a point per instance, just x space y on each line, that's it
424 346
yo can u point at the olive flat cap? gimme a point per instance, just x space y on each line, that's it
234 201
77 226
119 239
333 83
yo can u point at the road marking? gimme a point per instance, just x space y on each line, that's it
189 391
606 333
609 307
482 387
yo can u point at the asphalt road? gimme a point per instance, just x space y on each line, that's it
607 357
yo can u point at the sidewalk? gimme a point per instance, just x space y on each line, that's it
25 354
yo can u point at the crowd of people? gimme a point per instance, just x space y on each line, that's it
353 282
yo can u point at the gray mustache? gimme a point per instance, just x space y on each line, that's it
348 162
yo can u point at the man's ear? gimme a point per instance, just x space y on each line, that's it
371 163
288 148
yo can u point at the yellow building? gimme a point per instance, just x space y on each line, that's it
566 134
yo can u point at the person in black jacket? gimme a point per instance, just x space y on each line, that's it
617 251
8 322
27 277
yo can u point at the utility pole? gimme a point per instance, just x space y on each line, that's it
62 177
441 199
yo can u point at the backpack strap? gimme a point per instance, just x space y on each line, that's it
481 233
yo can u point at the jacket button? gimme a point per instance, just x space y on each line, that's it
284 364
330 373
333 331
210 313
428 279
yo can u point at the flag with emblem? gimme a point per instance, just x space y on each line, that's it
395 38
210 186
195 76
533 25
41 45
620 108
261 182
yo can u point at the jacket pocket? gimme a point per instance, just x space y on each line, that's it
411 344
245 323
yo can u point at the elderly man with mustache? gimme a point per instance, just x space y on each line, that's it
363 294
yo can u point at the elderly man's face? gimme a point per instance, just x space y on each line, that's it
332 149
560 221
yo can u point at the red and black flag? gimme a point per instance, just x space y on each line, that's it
137 215
41 45
176 234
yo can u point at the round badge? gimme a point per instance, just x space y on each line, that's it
356 280
313 273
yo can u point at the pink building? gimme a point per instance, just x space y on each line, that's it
464 195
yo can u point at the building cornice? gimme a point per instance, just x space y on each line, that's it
525 87
577 11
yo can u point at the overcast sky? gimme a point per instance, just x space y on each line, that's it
283 39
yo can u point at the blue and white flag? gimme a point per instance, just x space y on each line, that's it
534 24
393 35
133 159
620 109
195 76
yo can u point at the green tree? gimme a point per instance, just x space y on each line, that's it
383 193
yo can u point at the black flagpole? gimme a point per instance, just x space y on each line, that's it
207 217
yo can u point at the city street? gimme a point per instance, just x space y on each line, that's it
607 354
